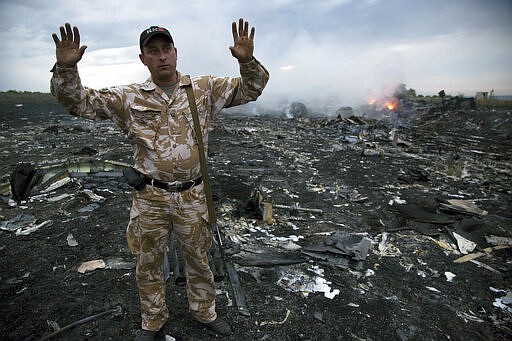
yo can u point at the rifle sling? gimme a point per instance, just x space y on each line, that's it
202 158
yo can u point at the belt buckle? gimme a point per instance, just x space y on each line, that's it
172 188
187 185
182 186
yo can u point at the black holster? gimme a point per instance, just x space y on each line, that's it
134 178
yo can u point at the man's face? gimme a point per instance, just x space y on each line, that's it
160 56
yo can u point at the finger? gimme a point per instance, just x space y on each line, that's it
246 29
69 32
76 33
240 27
234 30
55 38
62 33
251 37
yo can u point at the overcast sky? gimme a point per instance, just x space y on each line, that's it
348 50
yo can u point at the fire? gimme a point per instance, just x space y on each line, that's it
390 103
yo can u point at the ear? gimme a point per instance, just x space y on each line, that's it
141 57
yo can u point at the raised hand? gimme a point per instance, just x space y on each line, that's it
68 49
243 42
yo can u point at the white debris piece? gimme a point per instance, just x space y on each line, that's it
369 272
291 246
298 281
25 231
386 249
432 289
496 240
397 200
468 205
71 240
504 302
449 276
93 196
18 222
57 184
91 265
292 238
465 245
468 317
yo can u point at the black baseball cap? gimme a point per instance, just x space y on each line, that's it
151 32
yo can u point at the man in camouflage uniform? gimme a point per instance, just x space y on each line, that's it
157 119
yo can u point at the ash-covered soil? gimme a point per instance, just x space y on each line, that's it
327 175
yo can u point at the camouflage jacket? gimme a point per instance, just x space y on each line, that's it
160 127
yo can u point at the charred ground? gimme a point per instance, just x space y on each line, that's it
365 183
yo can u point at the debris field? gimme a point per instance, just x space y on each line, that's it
382 226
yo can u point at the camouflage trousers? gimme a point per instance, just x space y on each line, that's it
151 223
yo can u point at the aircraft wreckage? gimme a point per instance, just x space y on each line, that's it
331 224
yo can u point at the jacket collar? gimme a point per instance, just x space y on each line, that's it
149 85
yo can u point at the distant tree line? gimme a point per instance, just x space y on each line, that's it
12 97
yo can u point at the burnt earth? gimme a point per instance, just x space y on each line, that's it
347 167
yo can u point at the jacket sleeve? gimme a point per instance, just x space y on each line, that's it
67 87
230 92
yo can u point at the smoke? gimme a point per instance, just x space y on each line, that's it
326 76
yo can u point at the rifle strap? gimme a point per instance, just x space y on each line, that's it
202 157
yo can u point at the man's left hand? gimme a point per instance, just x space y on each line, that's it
243 41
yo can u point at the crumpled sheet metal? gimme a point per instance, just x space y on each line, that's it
57 175
462 206
344 244
23 224
305 284
417 213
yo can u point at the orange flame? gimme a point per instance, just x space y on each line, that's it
390 106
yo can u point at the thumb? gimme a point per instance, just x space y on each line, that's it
232 49
82 50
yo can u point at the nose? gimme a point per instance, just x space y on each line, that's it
162 55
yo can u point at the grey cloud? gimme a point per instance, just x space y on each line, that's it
343 48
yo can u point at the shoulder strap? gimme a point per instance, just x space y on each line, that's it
202 157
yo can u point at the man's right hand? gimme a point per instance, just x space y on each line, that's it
68 49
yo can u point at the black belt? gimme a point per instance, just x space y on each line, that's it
177 187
